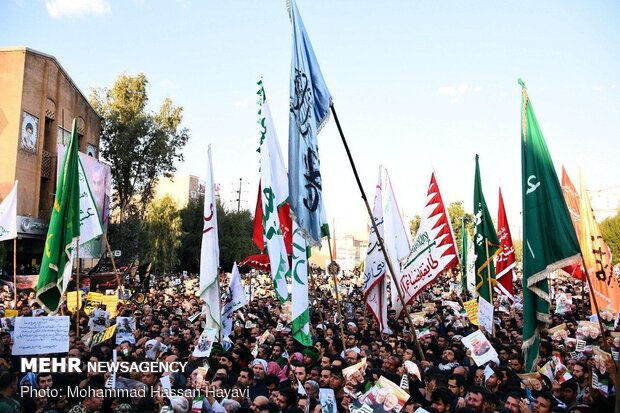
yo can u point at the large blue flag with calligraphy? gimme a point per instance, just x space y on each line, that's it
309 110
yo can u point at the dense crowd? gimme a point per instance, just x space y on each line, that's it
263 369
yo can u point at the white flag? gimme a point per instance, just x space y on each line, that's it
375 291
300 303
274 192
397 240
8 215
210 254
433 250
90 223
470 267
235 300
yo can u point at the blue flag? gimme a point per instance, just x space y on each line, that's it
309 110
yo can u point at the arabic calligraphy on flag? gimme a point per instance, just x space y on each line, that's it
434 249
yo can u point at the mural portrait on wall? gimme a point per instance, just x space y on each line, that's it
30 128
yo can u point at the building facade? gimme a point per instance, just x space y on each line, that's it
38 102
181 188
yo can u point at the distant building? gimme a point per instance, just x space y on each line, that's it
181 188
38 101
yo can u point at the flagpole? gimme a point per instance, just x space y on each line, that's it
486 244
77 290
118 279
15 271
584 274
313 280
598 314
333 274
379 238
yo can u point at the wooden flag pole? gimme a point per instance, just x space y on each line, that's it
313 280
77 290
335 280
584 274
379 239
15 271
118 279
598 314
486 245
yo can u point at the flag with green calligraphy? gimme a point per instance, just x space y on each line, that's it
63 232
274 188
549 239
300 308
486 242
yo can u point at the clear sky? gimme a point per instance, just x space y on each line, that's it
418 85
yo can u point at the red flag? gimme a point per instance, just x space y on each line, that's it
572 202
506 258
286 225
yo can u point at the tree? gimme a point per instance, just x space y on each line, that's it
414 225
130 237
163 226
610 229
457 214
234 233
140 145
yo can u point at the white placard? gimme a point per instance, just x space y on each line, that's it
41 335
485 315
205 343
481 350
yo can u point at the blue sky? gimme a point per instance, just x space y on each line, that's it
418 85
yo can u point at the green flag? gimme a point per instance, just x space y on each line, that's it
549 239
63 232
486 243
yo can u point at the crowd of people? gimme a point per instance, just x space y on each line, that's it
262 369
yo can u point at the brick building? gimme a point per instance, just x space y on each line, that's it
38 101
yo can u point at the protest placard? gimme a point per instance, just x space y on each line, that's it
471 307
355 373
99 320
480 348
10 313
384 396
485 315
327 398
103 336
124 330
74 300
111 303
205 343
8 325
41 335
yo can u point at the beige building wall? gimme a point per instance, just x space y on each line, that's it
181 188
37 94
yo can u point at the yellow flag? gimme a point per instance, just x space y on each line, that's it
597 257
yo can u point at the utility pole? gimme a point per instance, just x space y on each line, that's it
239 195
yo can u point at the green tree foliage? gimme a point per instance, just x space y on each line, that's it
163 226
234 232
610 229
140 145
457 214
191 238
414 225
130 237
